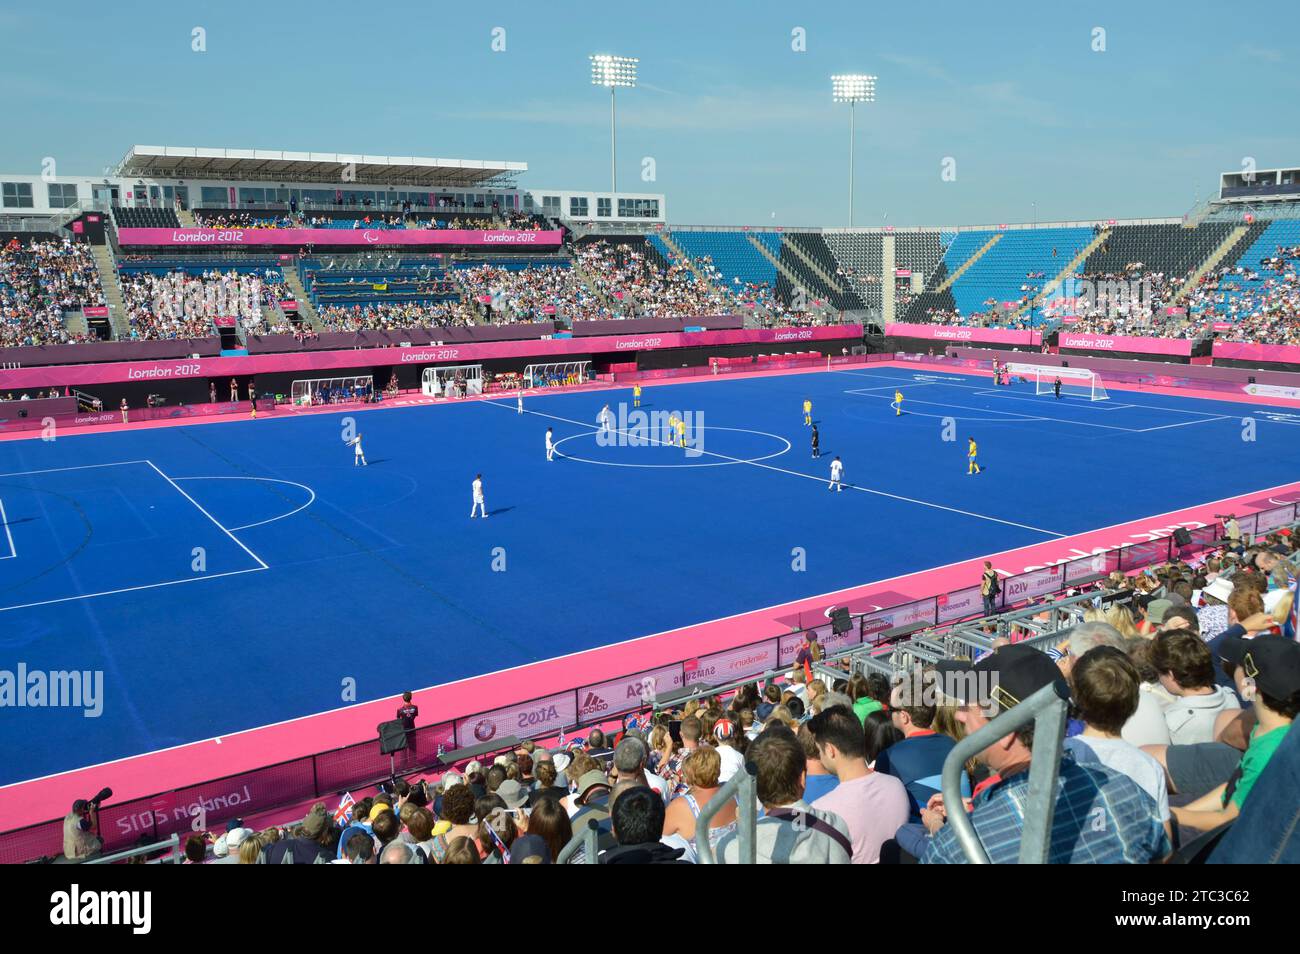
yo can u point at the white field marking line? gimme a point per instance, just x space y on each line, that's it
972 387
214 520
583 652
56 470
273 480
1162 427
133 589
865 490
888 387
1013 416
13 552
1081 402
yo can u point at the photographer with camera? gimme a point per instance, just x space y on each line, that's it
81 826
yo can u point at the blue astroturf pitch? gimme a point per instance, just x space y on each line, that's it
231 575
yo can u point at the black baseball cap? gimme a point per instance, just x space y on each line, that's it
1017 672
1272 661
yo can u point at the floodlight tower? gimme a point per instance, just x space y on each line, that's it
613 72
852 88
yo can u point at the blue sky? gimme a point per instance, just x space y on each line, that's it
741 127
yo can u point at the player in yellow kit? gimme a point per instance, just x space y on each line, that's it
971 452
672 428
681 433
636 395
898 403
807 413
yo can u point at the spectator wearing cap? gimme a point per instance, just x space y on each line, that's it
226 848
1104 684
637 822
791 831
1123 823
1266 670
1213 614
1246 618
311 843
916 761
873 805
702 773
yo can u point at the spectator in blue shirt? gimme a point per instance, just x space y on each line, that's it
916 761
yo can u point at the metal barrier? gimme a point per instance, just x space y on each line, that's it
744 788
1047 709
174 843
586 841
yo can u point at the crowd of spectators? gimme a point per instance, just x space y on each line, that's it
182 305
392 316
230 219
535 293
629 278
1262 305
40 280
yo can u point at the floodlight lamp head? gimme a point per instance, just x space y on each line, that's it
613 71
853 88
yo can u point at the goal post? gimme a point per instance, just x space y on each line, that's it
306 392
1075 382
557 374
452 380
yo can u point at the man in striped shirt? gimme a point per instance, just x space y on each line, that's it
1101 816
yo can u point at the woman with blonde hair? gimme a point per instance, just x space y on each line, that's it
250 851
701 771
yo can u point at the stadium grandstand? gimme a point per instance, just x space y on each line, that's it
883 544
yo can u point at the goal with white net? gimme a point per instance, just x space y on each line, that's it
307 392
557 374
1075 382
453 380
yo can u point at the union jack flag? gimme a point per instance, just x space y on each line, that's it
343 814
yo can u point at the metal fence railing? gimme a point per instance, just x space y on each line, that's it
1047 709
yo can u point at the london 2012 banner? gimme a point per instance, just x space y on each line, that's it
296 238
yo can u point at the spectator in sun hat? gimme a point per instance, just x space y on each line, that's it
311 844
1126 827
512 793
226 848
1266 670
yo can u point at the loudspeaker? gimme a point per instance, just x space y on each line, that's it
840 622
1182 538
392 737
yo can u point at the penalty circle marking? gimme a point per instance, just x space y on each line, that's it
721 463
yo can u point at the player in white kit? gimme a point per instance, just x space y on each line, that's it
837 473
479 505
550 444
360 458
519 398
605 417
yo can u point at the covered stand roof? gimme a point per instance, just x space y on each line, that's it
189 162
